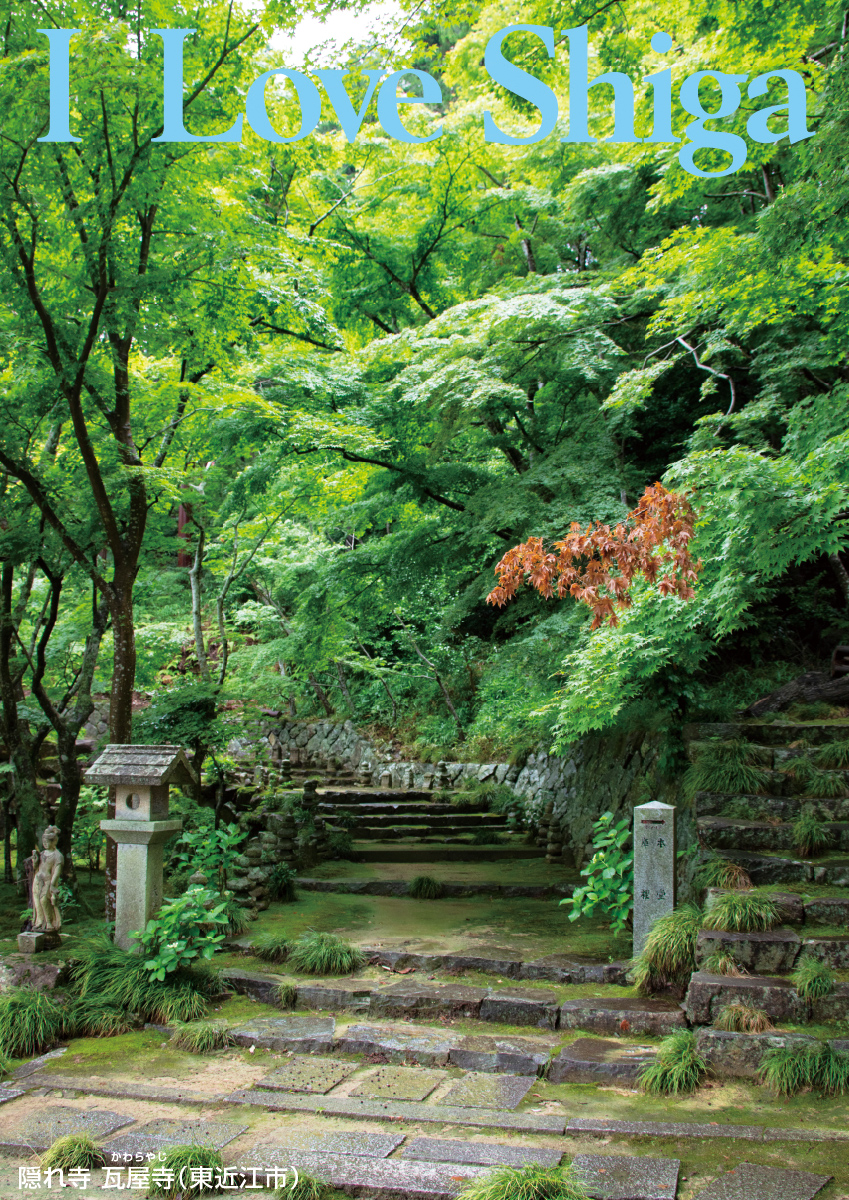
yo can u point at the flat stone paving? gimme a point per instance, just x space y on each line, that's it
478 1090
389 1177
309 1035
515 1056
623 1177
398 1083
751 1182
10 1093
163 1133
278 1153
697 1129
303 1073
38 1131
484 1154
423 1045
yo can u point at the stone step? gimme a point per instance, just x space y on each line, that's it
401 887
330 793
772 952
623 1016
760 808
776 995
426 1046
393 852
722 833
437 830
776 868
494 960
596 1060
608 1128
420 812
779 733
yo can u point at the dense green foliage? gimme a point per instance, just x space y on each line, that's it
323 954
610 875
790 1069
75 1150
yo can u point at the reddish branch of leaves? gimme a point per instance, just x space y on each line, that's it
598 565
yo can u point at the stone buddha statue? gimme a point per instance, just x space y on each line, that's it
46 917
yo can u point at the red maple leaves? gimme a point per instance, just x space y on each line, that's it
598 565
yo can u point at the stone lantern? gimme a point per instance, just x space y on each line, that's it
141 777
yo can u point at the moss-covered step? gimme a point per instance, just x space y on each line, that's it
450 888
507 964
707 994
597 1060
395 852
832 950
725 833
623 1016
739 1055
766 868
774 951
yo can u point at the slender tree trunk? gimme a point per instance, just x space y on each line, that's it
321 694
384 685
196 582
841 575
8 825
120 709
343 685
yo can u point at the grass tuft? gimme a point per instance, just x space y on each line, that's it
76 1150
718 872
678 1068
525 1183
788 1070
180 1160
324 954
425 887
726 767
669 955
238 918
287 995
832 756
812 978
722 963
202 1037
308 1187
810 834
270 947
30 1023
739 1017
281 883
813 780
742 912
93 1017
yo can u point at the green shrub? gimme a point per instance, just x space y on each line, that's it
30 1023
180 1160
184 929
812 978
281 883
287 995
486 837
669 955
678 1068
106 972
814 781
75 1151
341 843
91 1016
788 1070
742 912
726 767
324 954
425 887
202 1037
236 915
525 1183
271 947
307 1188
820 711
610 876
722 963
810 834
739 1017
833 755
717 872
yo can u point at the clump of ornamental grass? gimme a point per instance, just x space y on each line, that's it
287 995
89 1016
30 1023
308 1187
271 947
281 883
810 834
742 912
202 1037
722 963
788 1070
678 1068
324 954
115 976
237 916
525 1183
812 979
425 887
717 872
832 756
76 1151
739 1017
669 955
813 780
181 1160
726 766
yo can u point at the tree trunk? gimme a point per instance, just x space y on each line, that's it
841 575
814 687
343 685
120 710
321 694
197 596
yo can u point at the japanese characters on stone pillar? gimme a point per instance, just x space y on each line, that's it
141 776
654 867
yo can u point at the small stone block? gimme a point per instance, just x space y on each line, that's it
708 993
10 1093
763 953
521 1007
748 1181
477 1090
398 1083
623 1016
407 999
513 1056
595 1060
39 1130
34 943
485 1154
622 1177
739 1055
306 1074
420 1044
162 1134
279 1154
309 1035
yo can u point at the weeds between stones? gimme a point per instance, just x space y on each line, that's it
180 1160
678 1068
324 954
30 1023
833 755
814 781
281 883
810 834
726 767
742 912
669 955
75 1151
287 995
425 887
308 1187
271 947
237 917
718 872
739 1017
525 1183
202 1037
812 979
788 1070
722 963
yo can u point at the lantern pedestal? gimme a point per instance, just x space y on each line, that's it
139 873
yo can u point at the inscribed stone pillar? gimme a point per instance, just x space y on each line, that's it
654 867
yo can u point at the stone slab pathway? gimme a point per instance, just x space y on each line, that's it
303 1073
695 1129
751 1182
279 1153
514 1056
491 1154
162 1134
38 1131
477 1090
398 1083
624 1177
399 1045
305 1035
390 1177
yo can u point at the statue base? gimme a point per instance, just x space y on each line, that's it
35 941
